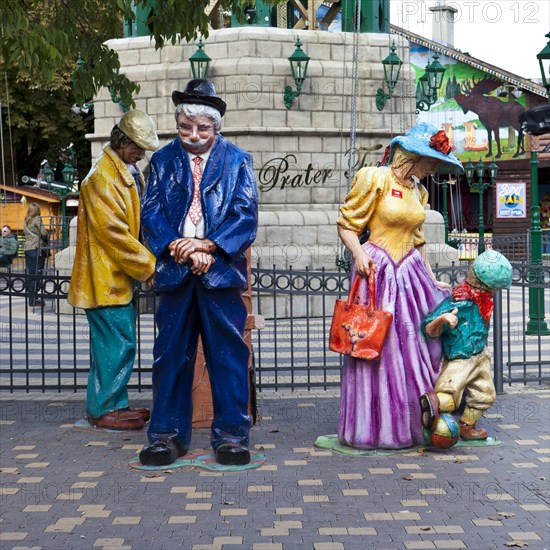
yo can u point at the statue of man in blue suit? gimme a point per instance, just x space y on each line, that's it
199 216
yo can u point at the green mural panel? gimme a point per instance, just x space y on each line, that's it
479 112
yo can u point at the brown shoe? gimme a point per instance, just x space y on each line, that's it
144 411
470 432
119 420
429 407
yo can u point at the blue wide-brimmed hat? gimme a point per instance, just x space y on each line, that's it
427 141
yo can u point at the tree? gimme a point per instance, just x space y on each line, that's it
41 38
53 55
42 124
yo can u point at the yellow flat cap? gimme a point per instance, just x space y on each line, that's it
140 129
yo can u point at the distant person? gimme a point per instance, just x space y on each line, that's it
109 260
8 246
41 176
36 239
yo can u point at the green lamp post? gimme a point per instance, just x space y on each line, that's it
68 179
479 187
48 175
536 323
544 55
535 122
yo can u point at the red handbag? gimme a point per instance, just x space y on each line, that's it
359 330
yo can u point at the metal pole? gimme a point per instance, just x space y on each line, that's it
2 150
481 242
64 228
444 213
537 323
498 367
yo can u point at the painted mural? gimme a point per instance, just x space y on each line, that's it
479 112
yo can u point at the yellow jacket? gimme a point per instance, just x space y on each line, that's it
109 256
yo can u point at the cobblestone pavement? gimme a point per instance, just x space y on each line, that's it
65 488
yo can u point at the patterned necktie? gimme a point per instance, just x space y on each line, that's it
195 212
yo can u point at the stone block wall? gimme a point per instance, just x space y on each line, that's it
301 155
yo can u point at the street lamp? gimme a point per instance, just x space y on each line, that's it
430 83
299 61
200 62
479 187
392 66
48 175
544 55
536 122
68 179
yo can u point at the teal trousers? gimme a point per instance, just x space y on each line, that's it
113 350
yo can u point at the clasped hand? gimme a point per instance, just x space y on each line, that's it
194 251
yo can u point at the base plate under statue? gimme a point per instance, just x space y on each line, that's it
331 442
205 459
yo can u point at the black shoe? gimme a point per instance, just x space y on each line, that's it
232 455
160 453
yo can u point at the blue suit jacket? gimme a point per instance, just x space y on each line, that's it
229 204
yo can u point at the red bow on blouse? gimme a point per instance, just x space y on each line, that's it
482 298
440 142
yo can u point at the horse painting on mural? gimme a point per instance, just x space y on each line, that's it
492 112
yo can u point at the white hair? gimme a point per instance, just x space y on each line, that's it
195 109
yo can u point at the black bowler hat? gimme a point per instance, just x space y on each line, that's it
199 91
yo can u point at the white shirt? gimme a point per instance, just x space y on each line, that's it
189 228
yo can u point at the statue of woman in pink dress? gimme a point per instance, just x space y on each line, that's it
379 404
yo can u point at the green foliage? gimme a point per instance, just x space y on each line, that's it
42 124
53 53
40 38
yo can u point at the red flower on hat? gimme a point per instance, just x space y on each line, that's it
386 157
440 142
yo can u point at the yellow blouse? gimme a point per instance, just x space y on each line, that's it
393 212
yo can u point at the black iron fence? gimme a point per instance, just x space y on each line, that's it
47 348
292 350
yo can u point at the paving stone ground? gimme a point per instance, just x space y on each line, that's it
65 488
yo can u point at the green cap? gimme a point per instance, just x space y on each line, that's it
493 269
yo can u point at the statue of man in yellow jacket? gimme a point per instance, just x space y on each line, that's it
109 259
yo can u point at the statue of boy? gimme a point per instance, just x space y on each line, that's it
462 322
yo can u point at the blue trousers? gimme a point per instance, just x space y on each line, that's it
218 316
34 265
113 349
